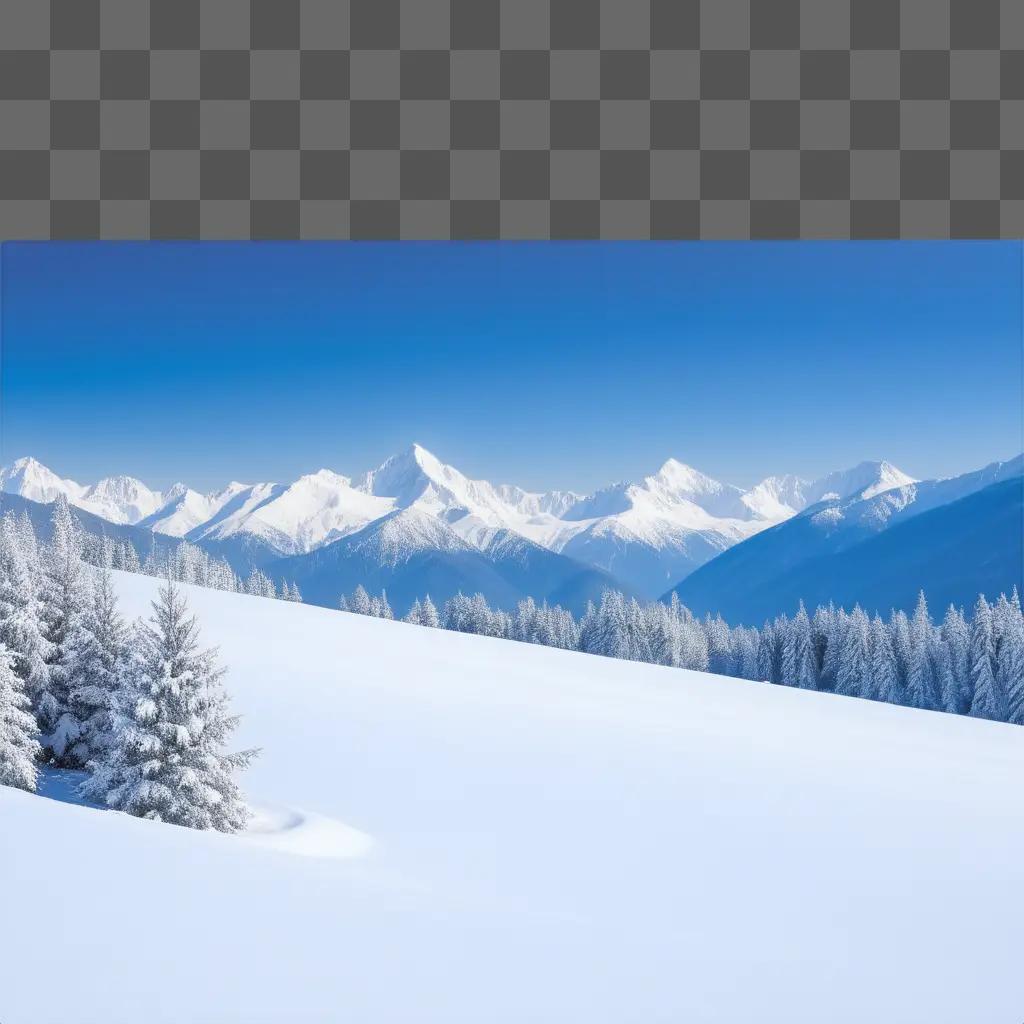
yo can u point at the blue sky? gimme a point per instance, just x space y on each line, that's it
547 365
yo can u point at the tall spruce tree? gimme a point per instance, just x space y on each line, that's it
98 657
798 667
63 596
19 743
988 699
1010 662
170 723
922 686
21 609
883 679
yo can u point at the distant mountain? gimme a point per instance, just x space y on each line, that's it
954 538
410 554
407 553
117 499
642 536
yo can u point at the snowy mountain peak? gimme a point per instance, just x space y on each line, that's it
122 499
30 479
866 479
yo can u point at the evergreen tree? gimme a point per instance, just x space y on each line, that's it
883 678
1010 662
21 611
98 657
360 603
415 613
957 638
853 671
428 614
165 759
922 686
64 596
988 700
380 608
19 745
798 668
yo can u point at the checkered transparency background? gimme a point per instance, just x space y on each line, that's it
511 118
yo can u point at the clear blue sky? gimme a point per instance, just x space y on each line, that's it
546 365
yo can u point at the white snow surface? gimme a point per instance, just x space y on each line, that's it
536 835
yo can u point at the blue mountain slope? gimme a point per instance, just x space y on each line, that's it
411 554
546 576
954 552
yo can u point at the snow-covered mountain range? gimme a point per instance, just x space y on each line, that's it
953 538
648 535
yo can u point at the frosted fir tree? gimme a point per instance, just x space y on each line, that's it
957 638
428 614
64 596
922 686
853 673
19 743
798 653
884 679
166 759
988 699
360 602
1010 662
414 614
98 656
21 619
767 653
380 608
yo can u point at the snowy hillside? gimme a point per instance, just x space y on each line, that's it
462 829
646 535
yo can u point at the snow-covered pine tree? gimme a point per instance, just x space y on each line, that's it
382 607
720 654
883 679
835 623
988 699
360 602
769 652
853 671
1010 662
64 596
170 723
798 667
19 744
922 689
899 631
130 558
428 614
415 613
957 638
946 683
98 658
21 612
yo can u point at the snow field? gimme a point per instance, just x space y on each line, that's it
551 837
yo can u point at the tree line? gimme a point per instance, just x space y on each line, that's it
183 562
141 706
965 665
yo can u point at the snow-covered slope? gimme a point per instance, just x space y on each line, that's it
552 837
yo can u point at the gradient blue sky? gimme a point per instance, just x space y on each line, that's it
547 365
